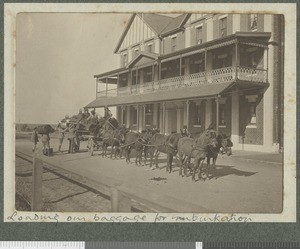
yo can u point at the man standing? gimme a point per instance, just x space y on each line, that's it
34 138
61 134
107 113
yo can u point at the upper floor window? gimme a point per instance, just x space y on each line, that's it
136 51
124 60
223 27
150 48
199 35
173 43
253 22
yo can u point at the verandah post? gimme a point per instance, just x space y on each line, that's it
217 113
236 59
188 114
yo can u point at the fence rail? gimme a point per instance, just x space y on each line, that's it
121 194
220 75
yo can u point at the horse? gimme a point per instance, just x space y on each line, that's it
165 144
195 148
224 145
113 138
139 142
157 144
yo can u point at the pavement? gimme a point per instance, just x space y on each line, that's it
246 182
258 156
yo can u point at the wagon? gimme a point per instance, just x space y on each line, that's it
94 143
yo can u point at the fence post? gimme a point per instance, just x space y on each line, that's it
119 202
37 172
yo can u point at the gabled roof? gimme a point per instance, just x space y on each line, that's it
175 24
142 54
156 22
160 24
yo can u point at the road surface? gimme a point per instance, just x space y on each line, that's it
238 186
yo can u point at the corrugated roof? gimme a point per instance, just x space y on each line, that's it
175 23
157 22
207 90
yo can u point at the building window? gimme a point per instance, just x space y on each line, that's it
134 115
135 77
223 27
252 112
148 115
197 117
136 51
222 114
173 43
253 22
252 100
199 35
125 58
150 48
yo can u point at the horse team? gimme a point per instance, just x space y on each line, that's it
148 144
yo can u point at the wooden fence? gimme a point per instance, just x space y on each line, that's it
121 194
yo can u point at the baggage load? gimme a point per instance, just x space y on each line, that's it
44 129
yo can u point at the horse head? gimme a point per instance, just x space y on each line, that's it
207 138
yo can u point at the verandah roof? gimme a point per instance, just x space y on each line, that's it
206 90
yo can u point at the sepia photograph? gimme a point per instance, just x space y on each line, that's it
150 112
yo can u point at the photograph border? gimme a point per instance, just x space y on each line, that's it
289 214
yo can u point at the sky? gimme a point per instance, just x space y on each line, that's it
57 56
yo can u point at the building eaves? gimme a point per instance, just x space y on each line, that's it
124 33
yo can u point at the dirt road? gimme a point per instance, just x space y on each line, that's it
237 186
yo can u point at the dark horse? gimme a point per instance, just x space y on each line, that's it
165 144
195 148
139 142
224 145
113 138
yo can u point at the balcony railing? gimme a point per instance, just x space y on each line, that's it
220 75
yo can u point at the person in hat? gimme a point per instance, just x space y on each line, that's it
72 136
94 116
184 132
34 138
46 142
61 134
107 113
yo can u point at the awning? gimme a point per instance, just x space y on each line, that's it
202 91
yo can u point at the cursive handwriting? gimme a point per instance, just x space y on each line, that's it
130 217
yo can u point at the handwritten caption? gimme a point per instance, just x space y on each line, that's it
118 218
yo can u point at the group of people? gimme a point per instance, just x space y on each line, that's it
45 139
71 128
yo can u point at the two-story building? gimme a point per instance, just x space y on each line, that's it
197 70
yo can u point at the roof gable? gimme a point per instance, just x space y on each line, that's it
136 30
145 26
148 57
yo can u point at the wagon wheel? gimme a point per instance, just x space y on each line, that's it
77 146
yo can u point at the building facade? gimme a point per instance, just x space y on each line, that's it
198 70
